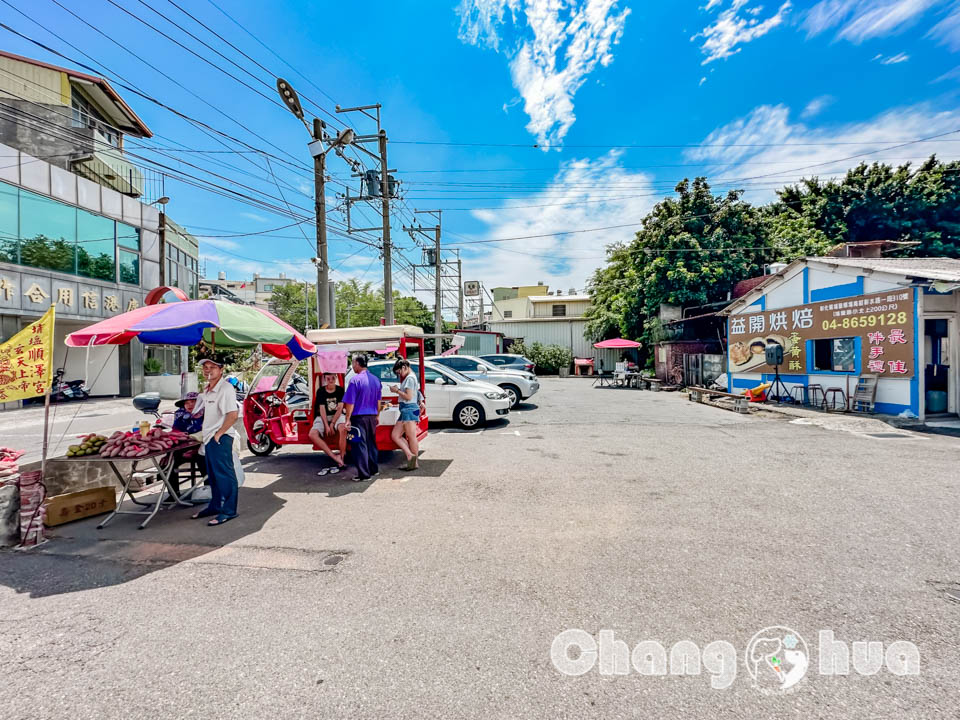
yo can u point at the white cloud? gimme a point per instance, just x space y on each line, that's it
949 75
861 20
565 261
816 106
702 80
731 28
947 31
222 243
766 150
560 44
480 20
892 59
253 216
711 4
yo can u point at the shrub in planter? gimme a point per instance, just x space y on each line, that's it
549 359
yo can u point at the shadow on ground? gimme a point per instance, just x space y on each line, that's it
78 556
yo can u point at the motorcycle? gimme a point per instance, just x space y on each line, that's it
239 386
298 392
61 390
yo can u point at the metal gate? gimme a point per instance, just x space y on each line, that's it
701 369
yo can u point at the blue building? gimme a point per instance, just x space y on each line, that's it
840 318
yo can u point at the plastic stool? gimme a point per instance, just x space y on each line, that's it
800 390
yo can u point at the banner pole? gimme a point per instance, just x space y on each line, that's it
46 433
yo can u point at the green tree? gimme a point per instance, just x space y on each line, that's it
694 247
882 202
691 250
358 304
288 302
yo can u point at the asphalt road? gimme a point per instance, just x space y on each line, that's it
438 594
23 428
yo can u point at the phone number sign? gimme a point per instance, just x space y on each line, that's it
884 323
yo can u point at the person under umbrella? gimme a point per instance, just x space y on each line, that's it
220 442
188 419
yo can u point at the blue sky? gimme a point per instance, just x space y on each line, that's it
752 94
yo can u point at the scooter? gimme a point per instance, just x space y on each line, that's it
61 390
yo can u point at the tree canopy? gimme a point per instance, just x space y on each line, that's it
358 304
692 248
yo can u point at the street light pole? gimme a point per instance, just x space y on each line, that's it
319 138
320 202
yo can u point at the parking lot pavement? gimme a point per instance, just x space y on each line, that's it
439 593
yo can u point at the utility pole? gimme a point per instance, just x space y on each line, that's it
386 182
459 290
481 308
438 292
437 271
306 306
387 261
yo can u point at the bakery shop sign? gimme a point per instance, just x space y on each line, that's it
883 323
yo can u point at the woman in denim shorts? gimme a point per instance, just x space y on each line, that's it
404 433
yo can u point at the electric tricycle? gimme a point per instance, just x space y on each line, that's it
271 419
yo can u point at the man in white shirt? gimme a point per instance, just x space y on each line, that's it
220 442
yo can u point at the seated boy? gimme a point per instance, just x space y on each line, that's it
328 419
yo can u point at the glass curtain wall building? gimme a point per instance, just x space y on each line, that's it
43 233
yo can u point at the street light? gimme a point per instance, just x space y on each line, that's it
292 102
161 201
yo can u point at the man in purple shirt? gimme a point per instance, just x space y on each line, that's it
361 404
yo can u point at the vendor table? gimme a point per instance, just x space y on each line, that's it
163 461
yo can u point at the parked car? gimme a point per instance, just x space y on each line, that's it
451 396
509 361
519 384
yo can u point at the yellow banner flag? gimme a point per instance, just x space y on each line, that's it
26 359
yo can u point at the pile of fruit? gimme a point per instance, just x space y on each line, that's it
89 445
134 445
127 444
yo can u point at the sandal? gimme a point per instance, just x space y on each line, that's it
220 520
206 512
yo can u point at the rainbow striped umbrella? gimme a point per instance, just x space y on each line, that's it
215 322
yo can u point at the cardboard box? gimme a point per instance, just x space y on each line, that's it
78 505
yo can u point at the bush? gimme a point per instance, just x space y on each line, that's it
549 359
152 366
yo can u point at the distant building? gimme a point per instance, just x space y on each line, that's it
519 291
79 228
549 319
256 291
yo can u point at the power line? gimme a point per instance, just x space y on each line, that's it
538 146
255 62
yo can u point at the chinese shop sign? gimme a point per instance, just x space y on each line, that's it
883 322
25 360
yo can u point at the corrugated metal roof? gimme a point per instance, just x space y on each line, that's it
930 268
137 125
558 298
